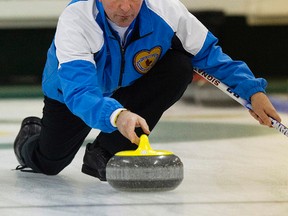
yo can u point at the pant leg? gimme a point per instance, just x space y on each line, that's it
151 95
62 134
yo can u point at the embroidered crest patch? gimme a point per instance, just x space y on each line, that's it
146 59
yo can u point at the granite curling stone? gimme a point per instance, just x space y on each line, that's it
144 169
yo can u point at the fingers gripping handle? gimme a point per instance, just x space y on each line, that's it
227 90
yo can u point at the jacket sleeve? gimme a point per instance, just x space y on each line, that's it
77 38
235 74
83 96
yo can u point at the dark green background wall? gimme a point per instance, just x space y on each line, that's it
23 54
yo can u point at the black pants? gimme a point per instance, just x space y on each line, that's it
63 133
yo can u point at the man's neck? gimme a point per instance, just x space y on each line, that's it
120 30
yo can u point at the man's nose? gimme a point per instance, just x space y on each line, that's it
125 5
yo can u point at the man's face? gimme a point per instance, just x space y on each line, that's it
122 12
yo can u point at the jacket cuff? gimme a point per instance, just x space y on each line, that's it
114 116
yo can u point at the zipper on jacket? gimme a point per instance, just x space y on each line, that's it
122 50
122 66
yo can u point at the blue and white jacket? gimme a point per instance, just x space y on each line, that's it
86 62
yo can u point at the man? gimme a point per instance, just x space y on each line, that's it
117 65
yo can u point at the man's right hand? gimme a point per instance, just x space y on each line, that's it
126 123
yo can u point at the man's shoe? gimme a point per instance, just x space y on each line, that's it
30 126
95 160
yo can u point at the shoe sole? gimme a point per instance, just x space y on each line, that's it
92 172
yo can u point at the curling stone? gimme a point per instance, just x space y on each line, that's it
144 169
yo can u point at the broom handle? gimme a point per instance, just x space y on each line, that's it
227 90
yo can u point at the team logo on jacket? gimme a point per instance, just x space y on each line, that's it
146 59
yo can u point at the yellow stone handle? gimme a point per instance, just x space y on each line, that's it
144 149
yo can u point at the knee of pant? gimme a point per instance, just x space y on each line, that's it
182 74
186 72
51 172
52 168
180 66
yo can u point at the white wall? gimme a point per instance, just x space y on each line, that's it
230 7
256 11
30 13
44 13
268 12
